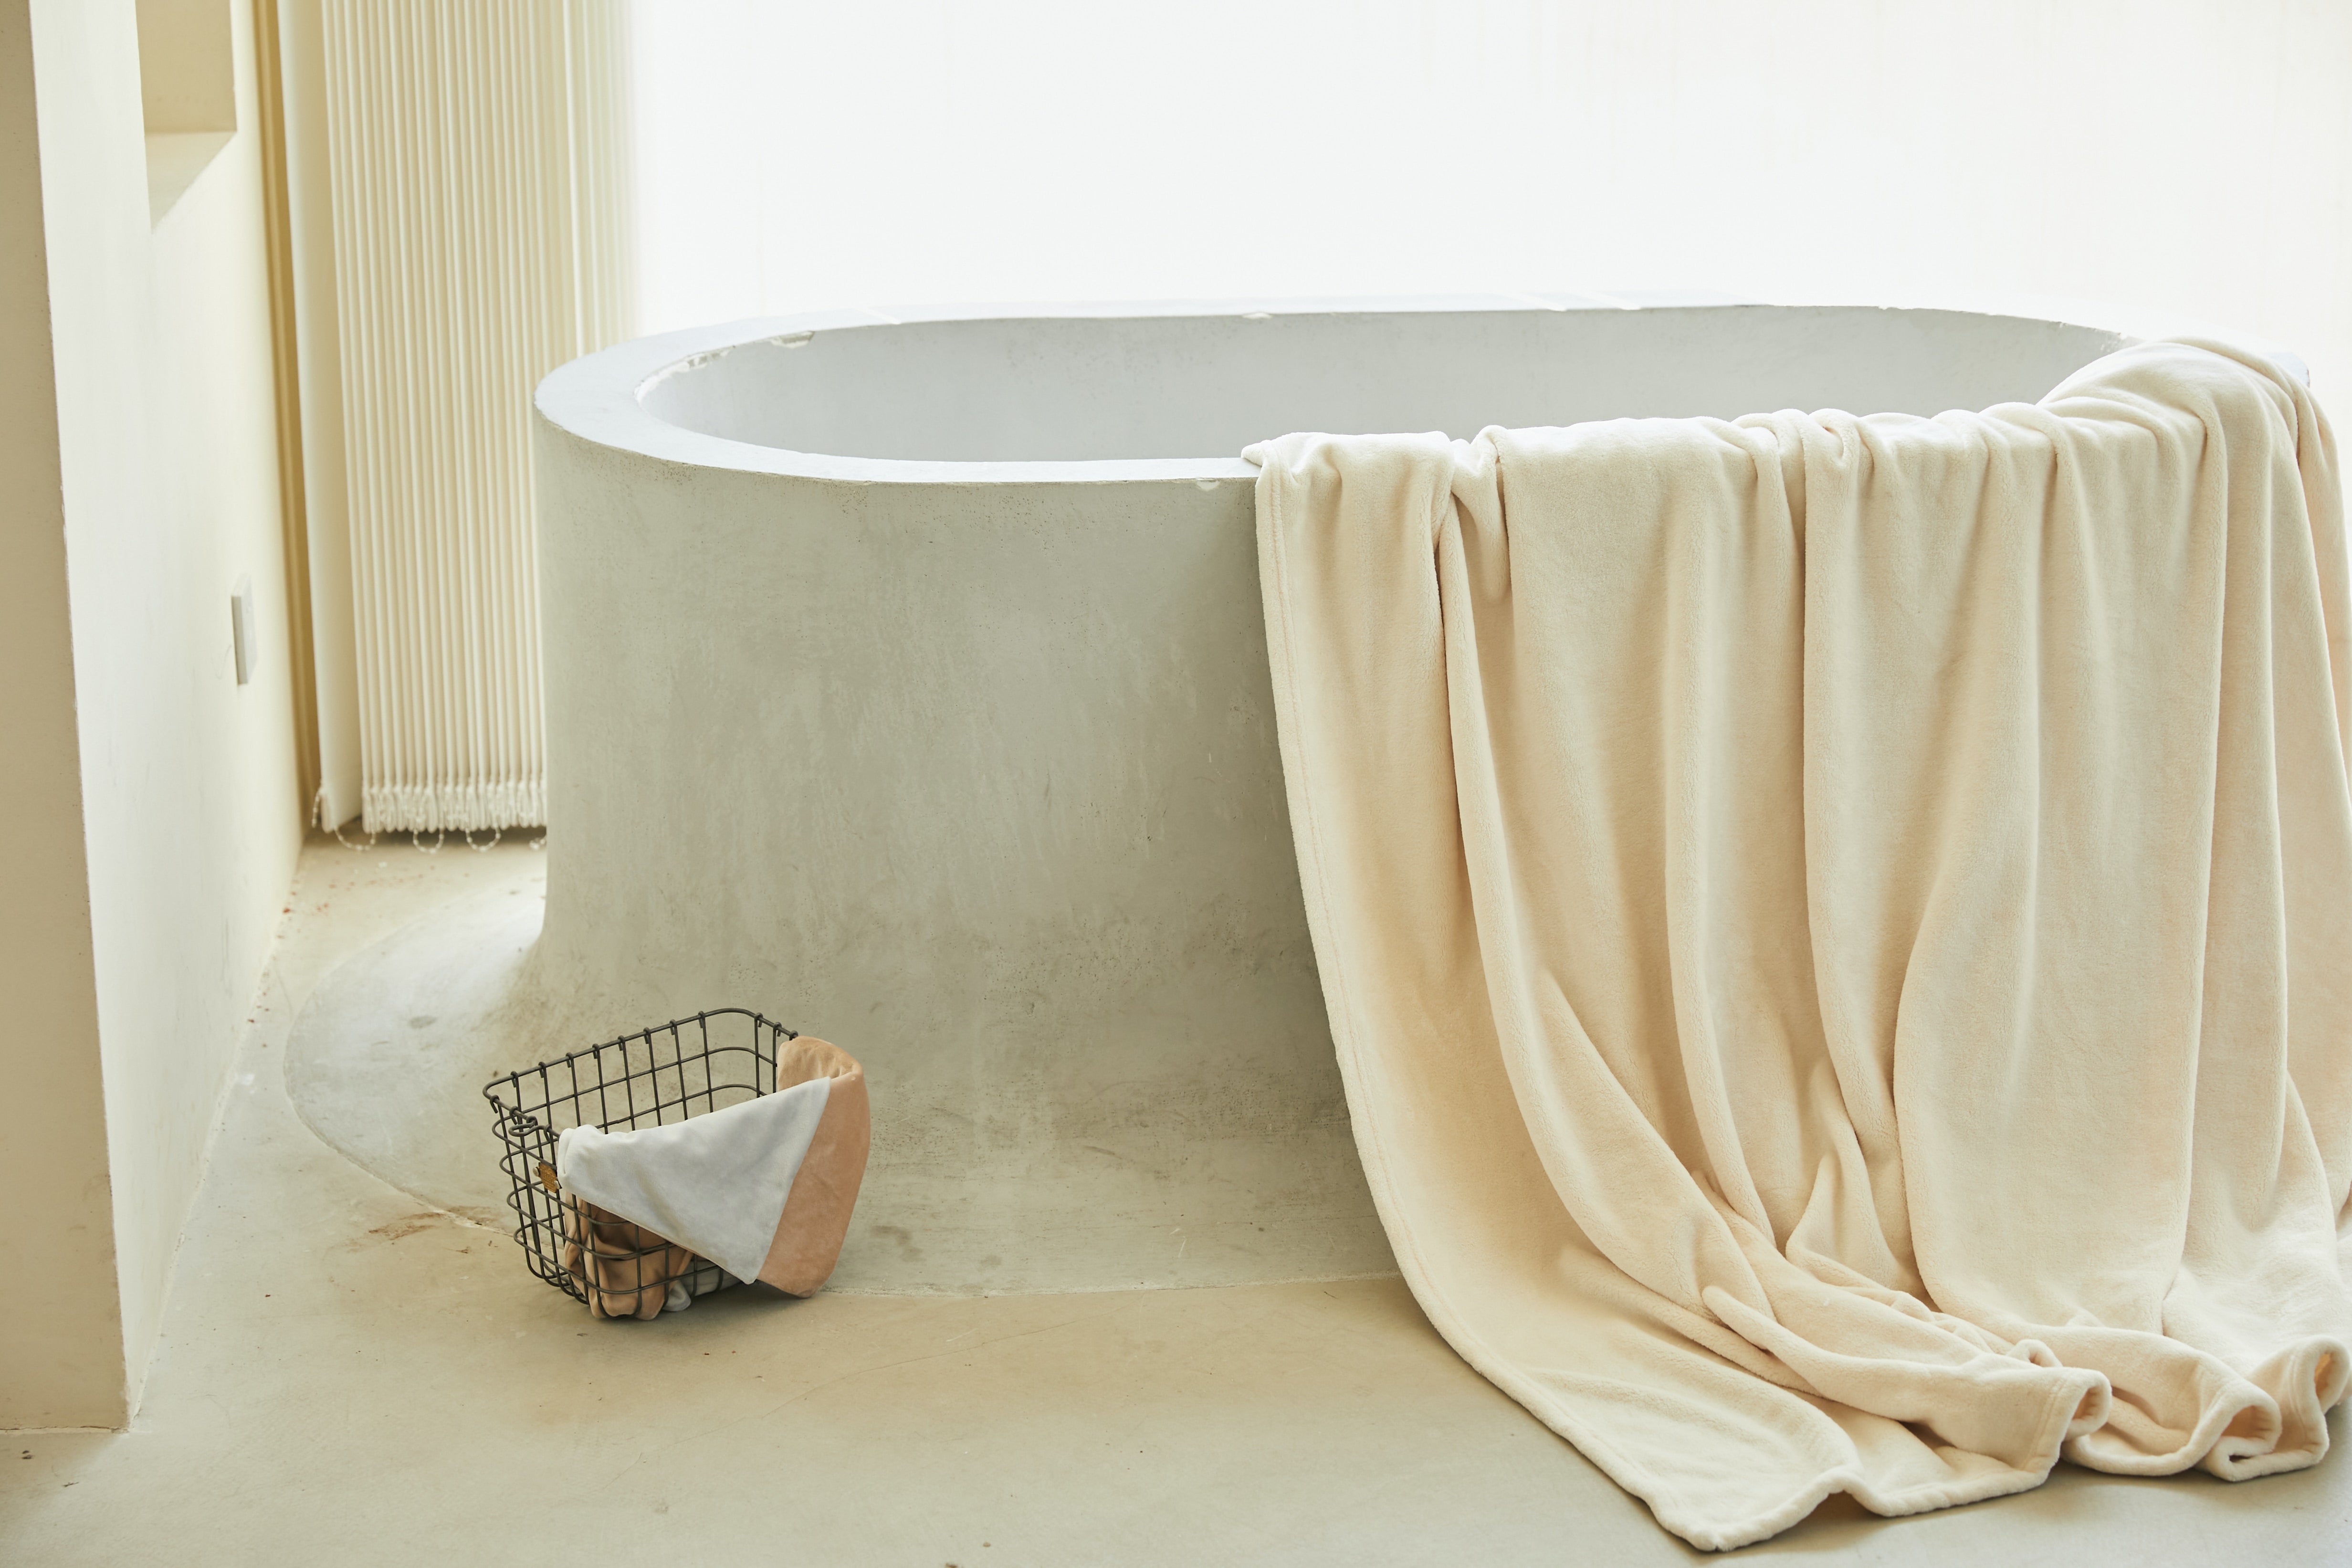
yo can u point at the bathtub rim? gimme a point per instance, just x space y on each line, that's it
600 397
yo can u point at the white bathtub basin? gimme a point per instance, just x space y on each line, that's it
906 681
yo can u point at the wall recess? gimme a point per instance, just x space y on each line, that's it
187 87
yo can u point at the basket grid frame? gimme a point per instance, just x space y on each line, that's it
653 1076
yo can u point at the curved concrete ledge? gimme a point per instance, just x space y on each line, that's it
387 1059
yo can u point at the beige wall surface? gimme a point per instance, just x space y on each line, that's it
321 377
60 1345
166 457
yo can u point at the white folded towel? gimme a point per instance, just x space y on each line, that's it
714 1184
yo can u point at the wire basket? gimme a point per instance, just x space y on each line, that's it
685 1067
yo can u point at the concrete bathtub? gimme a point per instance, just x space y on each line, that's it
906 681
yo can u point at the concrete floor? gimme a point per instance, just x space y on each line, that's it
348 1375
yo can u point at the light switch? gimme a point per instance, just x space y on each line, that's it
241 623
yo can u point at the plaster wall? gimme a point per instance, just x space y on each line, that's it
61 1344
165 449
2185 155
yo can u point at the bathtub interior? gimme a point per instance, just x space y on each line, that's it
1082 388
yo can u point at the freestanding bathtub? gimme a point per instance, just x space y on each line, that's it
906 681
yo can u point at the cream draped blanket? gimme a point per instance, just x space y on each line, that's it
1839 931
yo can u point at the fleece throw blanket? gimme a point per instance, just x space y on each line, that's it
1838 931
763 1188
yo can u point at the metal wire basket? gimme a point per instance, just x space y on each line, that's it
688 1067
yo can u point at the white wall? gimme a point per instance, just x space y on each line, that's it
165 444
2192 157
62 1343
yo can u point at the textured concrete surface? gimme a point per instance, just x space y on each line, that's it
350 1375
388 1058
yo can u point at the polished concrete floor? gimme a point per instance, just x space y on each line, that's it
349 1376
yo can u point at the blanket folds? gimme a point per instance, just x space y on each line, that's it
1838 931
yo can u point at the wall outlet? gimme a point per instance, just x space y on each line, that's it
247 635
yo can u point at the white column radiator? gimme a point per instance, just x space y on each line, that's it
479 171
